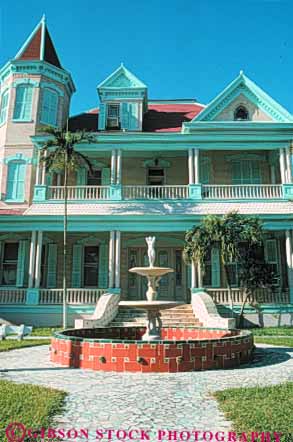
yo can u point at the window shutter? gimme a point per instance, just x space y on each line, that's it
204 172
124 115
21 262
4 106
133 116
52 266
215 260
255 172
23 103
49 107
81 178
15 181
271 253
103 265
236 172
77 265
102 117
106 176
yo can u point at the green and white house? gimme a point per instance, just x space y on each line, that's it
160 166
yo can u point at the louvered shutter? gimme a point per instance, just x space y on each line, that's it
106 176
236 172
21 262
77 265
81 178
102 117
204 172
15 181
133 116
103 265
52 266
124 115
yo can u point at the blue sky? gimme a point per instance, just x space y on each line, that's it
179 48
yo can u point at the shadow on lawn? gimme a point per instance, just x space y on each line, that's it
266 356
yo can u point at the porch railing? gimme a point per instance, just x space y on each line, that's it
79 192
74 296
12 296
141 192
265 296
243 191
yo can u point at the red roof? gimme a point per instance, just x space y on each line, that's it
32 49
158 118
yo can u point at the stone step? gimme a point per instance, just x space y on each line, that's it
138 324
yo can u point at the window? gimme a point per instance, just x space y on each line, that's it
241 114
9 263
94 178
23 103
113 116
4 106
91 266
207 274
178 267
272 258
15 181
44 266
49 109
246 172
156 176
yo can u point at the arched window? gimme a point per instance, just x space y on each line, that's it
16 180
23 102
4 106
49 108
241 114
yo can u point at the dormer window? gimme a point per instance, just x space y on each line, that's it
113 116
241 114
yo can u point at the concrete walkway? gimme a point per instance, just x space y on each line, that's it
143 401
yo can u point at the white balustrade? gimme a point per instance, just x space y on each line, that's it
242 191
12 296
168 192
266 296
74 296
79 192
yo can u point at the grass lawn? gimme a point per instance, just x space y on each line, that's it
31 405
12 344
274 340
44 331
273 331
260 409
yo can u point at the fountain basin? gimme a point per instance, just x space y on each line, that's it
151 271
181 349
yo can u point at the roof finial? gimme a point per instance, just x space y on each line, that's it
241 72
43 18
121 64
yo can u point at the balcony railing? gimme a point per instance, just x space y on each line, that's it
155 192
263 296
243 191
12 296
79 192
168 192
74 296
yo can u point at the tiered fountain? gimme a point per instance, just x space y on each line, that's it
152 348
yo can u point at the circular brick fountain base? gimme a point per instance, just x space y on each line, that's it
181 349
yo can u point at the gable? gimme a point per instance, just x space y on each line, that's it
121 78
255 112
262 106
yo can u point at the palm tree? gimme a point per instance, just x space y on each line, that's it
59 153
229 233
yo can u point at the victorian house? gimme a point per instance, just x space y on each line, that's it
160 166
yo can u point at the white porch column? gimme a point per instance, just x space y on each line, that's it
282 166
113 167
190 166
38 170
289 259
43 178
119 166
38 259
193 275
117 258
32 259
196 165
288 165
111 258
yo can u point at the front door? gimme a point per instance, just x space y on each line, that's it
172 287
